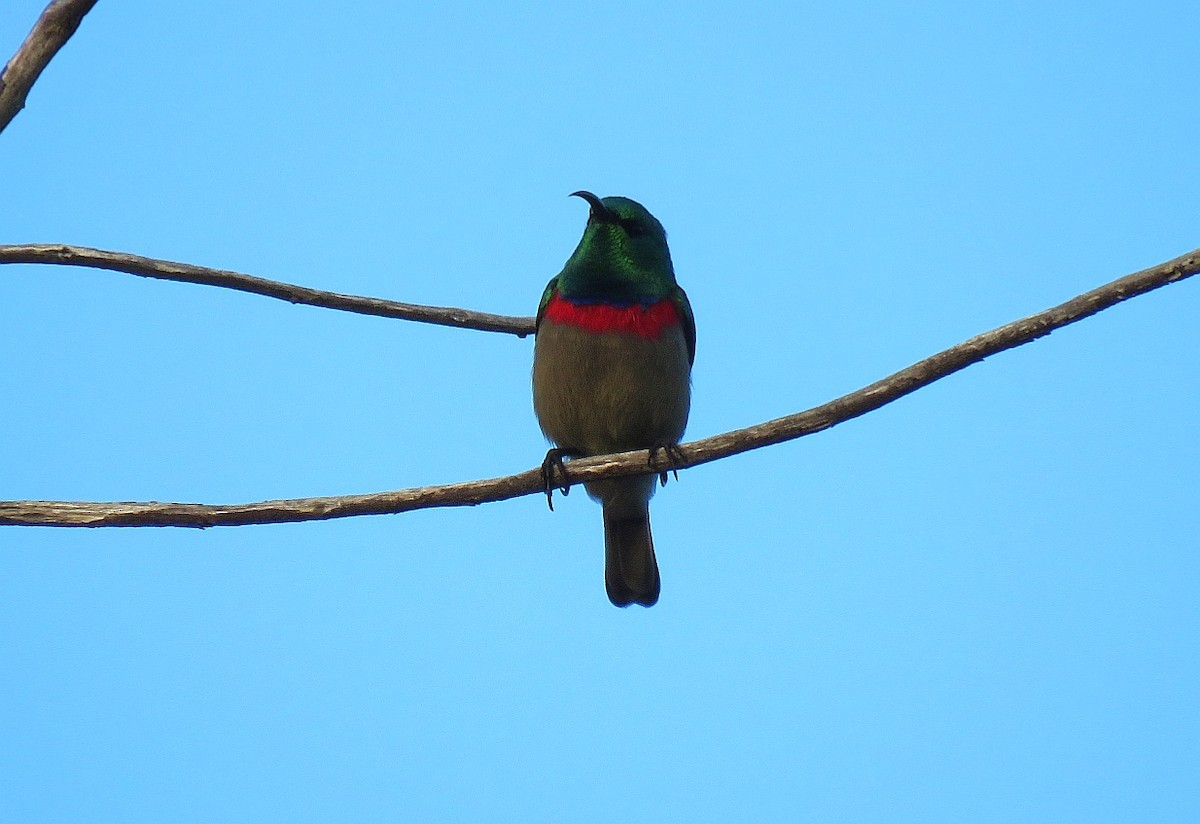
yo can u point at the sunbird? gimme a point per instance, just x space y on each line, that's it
612 367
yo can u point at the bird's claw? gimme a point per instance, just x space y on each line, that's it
672 458
551 465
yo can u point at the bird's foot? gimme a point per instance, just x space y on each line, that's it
552 466
672 458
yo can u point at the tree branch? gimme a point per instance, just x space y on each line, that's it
187 273
49 34
922 373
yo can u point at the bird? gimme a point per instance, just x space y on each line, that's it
614 345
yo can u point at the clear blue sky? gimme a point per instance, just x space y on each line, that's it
976 604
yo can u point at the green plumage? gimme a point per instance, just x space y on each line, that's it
598 391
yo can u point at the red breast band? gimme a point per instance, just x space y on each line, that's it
637 319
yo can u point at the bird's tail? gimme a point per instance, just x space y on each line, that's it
630 569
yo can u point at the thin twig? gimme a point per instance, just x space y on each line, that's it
922 373
187 273
51 31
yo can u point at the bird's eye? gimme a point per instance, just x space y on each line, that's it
633 228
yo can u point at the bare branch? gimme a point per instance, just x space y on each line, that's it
49 34
187 273
922 373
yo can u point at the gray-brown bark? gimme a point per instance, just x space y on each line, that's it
61 254
51 31
897 385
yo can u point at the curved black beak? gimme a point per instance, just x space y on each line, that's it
600 212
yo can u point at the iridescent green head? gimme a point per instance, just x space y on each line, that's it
622 256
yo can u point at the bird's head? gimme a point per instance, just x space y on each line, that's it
623 252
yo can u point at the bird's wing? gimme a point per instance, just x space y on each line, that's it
545 301
686 319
